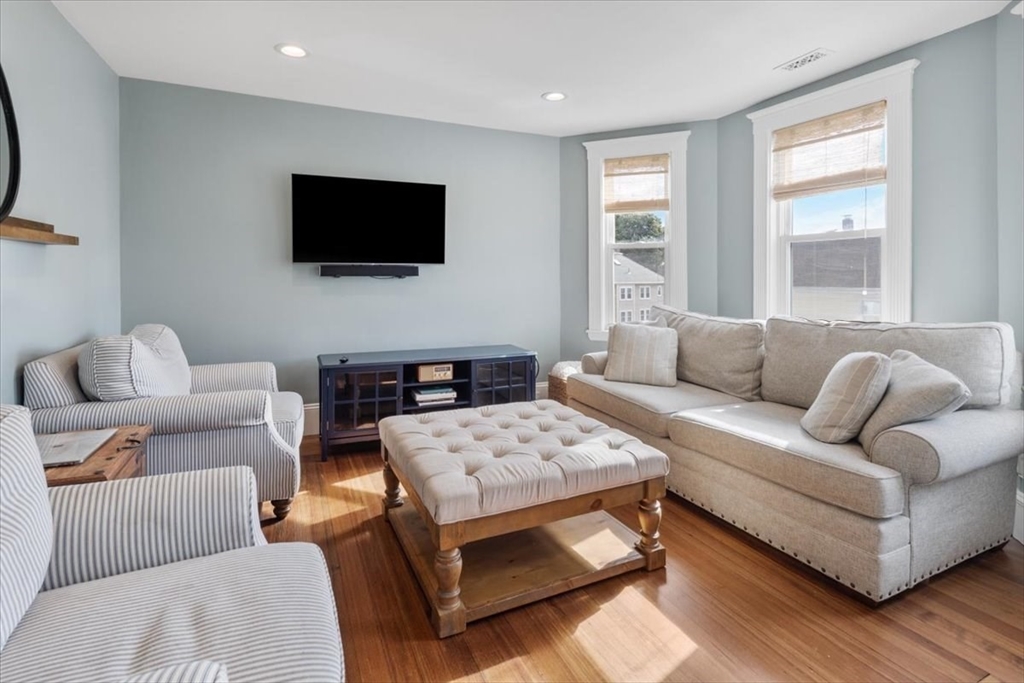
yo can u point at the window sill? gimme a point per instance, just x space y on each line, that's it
597 335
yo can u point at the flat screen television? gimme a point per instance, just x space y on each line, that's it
356 220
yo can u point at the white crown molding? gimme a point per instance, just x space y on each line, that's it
906 67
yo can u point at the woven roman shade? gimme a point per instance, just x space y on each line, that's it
836 152
635 184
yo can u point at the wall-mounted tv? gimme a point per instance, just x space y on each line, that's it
356 220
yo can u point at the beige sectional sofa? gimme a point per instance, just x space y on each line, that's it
930 495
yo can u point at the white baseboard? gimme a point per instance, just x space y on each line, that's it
311 424
1018 520
311 419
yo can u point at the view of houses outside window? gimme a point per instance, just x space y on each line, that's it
835 256
636 267
829 191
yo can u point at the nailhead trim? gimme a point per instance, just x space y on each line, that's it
825 571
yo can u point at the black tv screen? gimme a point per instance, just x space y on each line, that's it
355 220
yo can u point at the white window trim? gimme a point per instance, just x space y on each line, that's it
894 85
640 292
598 259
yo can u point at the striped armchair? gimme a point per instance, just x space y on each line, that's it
164 578
234 415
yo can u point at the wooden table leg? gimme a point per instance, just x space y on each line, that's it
450 616
391 490
649 544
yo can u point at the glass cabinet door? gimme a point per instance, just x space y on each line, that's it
503 381
363 397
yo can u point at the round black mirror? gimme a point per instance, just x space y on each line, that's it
10 150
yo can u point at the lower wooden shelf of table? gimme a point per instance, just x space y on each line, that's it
515 569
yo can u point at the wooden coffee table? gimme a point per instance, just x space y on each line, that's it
122 457
479 536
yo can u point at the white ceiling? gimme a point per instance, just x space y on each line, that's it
623 64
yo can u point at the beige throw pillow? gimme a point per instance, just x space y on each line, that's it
851 392
642 354
917 391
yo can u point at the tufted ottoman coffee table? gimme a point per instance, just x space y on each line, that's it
518 493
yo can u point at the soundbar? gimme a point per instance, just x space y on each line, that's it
368 270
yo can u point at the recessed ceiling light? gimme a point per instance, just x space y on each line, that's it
289 50
553 96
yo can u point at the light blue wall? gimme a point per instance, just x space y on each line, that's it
66 103
701 228
1010 168
955 233
206 245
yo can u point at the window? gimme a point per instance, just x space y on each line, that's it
625 316
637 225
832 222
645 315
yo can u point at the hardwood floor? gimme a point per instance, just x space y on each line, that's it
727 608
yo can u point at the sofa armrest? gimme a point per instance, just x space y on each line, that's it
233 377
198 671
950 446
593 363
167 414
115 527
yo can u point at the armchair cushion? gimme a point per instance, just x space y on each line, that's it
166 346
123 526
147 362
199 671
167 414
26 530
265 614
52 381
233 377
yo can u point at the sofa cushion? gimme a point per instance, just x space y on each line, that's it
766 439
645 354
644 407
175 373
724 354
917 391
850 394
52 381
26 524
799 354
265 613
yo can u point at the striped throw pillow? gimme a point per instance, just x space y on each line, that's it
642 354
120 367
851 392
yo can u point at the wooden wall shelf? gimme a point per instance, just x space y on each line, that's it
12 228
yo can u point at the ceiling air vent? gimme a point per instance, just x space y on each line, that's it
804 60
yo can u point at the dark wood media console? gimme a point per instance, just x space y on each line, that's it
356 394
